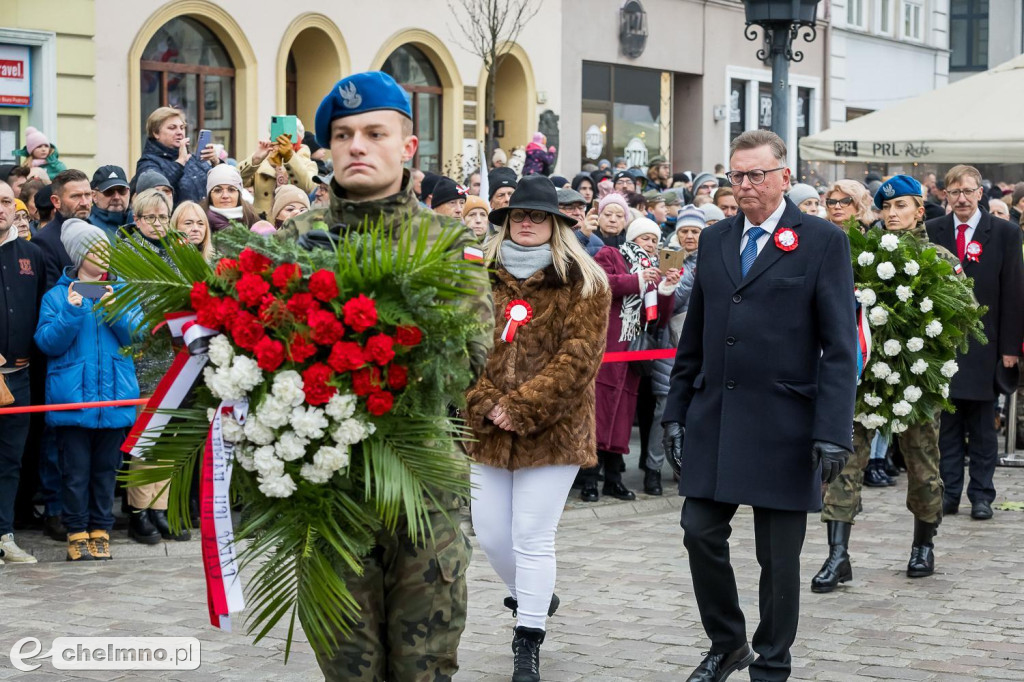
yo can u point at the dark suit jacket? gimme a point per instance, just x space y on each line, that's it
766 364
55 256
999 284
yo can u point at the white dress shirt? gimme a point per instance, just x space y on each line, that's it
971 224
768 226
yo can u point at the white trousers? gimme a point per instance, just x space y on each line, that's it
515 516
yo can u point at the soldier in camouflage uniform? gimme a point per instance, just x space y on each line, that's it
412 596
902 207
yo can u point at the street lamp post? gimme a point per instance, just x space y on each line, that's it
781 22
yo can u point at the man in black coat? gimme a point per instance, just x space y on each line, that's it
72 198
990 250
764 386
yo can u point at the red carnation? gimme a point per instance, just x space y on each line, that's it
346 356
227 267
253 262
227 308
209 314
379 348
324 285
380 402
398 377
299 349
246 330
360 313
315 386
408 336
200 296
251 289
269 354
365 380
285 274
301 304
325 329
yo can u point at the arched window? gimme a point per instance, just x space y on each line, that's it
410 67
186 66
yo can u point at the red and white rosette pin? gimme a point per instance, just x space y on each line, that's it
517 313
786 239
973 252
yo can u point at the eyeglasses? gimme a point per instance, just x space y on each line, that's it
955 193
832 203
115 190
156 219
518 215
756 176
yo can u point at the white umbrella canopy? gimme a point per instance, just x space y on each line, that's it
975 120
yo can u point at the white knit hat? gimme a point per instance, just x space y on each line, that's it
642 226
223 174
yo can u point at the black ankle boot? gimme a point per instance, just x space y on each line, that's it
652 482
922 554
836 568
140 528
526 654
513 605
159 519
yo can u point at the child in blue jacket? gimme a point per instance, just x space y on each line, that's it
85 365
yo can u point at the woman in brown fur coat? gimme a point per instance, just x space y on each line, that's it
532 410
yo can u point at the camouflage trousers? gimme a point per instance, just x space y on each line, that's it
413 609
920 447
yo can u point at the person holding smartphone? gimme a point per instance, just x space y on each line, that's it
167 151
282 160
86 365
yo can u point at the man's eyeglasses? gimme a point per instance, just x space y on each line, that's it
115 190
518 215
756 176
954 194
832 203
156 219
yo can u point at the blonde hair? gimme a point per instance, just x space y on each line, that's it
565 250
958 173
206 246
160 116
150 197
860 195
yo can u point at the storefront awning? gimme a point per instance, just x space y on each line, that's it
975 120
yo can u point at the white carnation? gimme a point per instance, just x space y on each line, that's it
904 293
221 352
881 370
865 258
872 400
245 373
878 316
287 388
267 462
867 297
902 408
350 432
897 426
949 369
926 305
243 455
944 390
893 378
889 242
309 422
290 446
915 344
341 406
257 432
220 384
331 458
277 486
933 329
873 421
210 414
912 394
892 347
273 412
886 270
315 474
919 367
912 268
231 430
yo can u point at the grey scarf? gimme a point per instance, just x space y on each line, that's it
523 261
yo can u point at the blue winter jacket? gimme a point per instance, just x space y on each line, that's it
188 181
85 363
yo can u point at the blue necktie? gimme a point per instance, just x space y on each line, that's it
750 250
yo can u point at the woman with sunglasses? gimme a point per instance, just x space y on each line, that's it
531 412
847 199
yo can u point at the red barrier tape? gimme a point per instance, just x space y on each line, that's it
622 356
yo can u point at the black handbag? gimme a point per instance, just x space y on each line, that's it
645 340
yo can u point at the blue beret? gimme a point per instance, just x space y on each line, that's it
357 94
897 186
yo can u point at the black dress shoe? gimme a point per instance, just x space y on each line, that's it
718 667
141 529
54 529
922 553
652 482
950 508
159 519
589 492
875 475
982 511
618 491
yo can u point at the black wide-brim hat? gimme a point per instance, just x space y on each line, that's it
534 193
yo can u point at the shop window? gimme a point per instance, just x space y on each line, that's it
623 113
410 66
737 108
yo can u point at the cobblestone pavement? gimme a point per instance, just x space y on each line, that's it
627 604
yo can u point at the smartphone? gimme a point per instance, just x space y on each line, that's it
87 290
205 137
284 125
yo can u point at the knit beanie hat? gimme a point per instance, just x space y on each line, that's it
223 174
19 205
473 202
613 199
711 212
287 194
642 226
801 192
150 179
79 238
34 138
538 138
702 178
691 216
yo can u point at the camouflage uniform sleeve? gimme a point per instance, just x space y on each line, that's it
480 303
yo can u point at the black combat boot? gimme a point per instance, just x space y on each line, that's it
526 654
513 605
922 554
141 528
652 482
836 568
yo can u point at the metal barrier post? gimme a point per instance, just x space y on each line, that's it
1010 458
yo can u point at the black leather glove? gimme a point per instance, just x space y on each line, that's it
831 457
672 441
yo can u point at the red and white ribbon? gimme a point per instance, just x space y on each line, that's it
651 304
224 594
973 252
517 313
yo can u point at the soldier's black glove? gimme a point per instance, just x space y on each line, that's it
672 441
831 457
